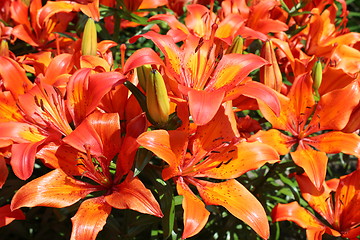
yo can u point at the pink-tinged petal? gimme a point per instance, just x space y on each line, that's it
4 172
50 9
236 160
90 219
7 216
238 201
234 68
168 47
23 158
319 199
295 213
313 162
195 213
336 142
14 77
169 146
276 139
132 194
334 108
259 92
204 105
141 57
54 189
85 91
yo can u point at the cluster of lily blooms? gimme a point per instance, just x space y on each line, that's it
84 117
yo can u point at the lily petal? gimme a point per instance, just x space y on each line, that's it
132 194
204 105
85 91
14 77
336 142
334 108
23 158
233 68
4 172
7 216
54 189
295 213
238 201
319 200
276 139
168 47
238 159
141 57
169 146
313 162
195 213
90 219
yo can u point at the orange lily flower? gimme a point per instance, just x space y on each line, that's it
36 114
199 21
261 17
337 203
38 28
91 148
213 152
202 74
302 117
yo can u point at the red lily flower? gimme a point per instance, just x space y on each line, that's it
301 117
91 149
213 152
200 73
337 202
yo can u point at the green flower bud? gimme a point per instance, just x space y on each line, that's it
317 78
157 99
143 74
89 39
236 46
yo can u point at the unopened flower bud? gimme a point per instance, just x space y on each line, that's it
143 74
89 39
157 99
236 46
316 75
270 75
4 48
